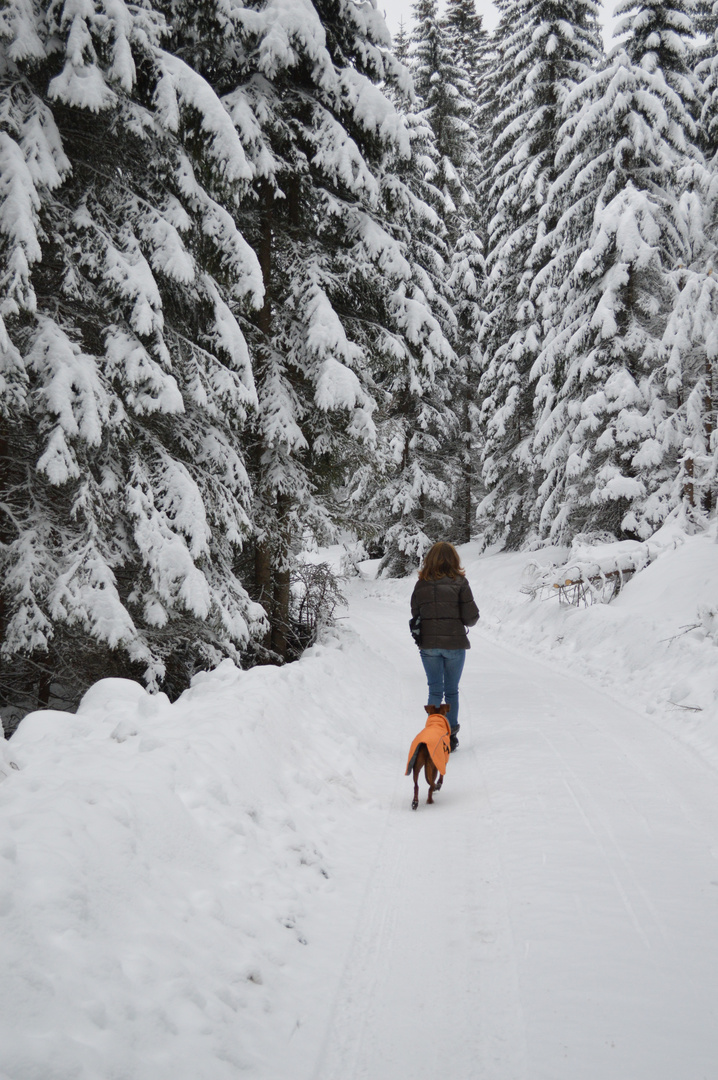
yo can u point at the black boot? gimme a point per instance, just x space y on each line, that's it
454 738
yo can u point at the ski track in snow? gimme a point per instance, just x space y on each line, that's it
551 917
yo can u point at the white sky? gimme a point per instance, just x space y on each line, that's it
395 9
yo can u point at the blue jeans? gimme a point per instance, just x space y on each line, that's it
443 669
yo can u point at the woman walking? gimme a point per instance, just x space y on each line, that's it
442 597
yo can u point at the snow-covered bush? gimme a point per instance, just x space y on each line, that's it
355 552
316 595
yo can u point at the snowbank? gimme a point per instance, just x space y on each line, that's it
161 867
656 642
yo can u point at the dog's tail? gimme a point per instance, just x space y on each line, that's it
414 756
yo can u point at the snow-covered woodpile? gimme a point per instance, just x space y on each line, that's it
591 574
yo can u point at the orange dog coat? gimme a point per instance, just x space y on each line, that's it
436 735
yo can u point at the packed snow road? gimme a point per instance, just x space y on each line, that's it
554 914
235 884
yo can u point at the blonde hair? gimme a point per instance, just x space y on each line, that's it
441 560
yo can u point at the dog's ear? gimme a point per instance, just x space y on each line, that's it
431 709
444 709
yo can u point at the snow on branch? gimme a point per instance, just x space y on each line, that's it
175 578
72 389
86 592
339 157
229 339
148 388
18 26
19 208
238 258
289 29
374 110
81 83
180 86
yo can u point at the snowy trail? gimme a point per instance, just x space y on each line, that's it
235 883
416 961
553 916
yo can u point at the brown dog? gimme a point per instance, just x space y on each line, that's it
430 751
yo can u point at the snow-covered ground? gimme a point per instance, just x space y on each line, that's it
235 884
655 644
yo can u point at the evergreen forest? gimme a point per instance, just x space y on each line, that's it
269 279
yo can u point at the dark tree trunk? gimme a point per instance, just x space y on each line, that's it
466 478
5 527
271 562
280 612
263 555
282 581
708 429
264 254
263 580
688 486
43 690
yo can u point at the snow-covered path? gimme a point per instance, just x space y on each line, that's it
235 884
554 914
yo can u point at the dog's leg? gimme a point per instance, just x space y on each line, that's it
422 756
430 771
417 769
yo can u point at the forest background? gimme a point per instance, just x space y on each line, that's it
398 11
268 278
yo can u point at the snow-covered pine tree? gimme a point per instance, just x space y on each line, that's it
705 21
466 263
690 334
660 35
423 479
705 24
310 89
469 45
407 493
607 399
544 49
474 57
707 75
445 95
664 36
401 44
466 42
124 374
692 344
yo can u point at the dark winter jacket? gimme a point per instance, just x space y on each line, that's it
446 606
